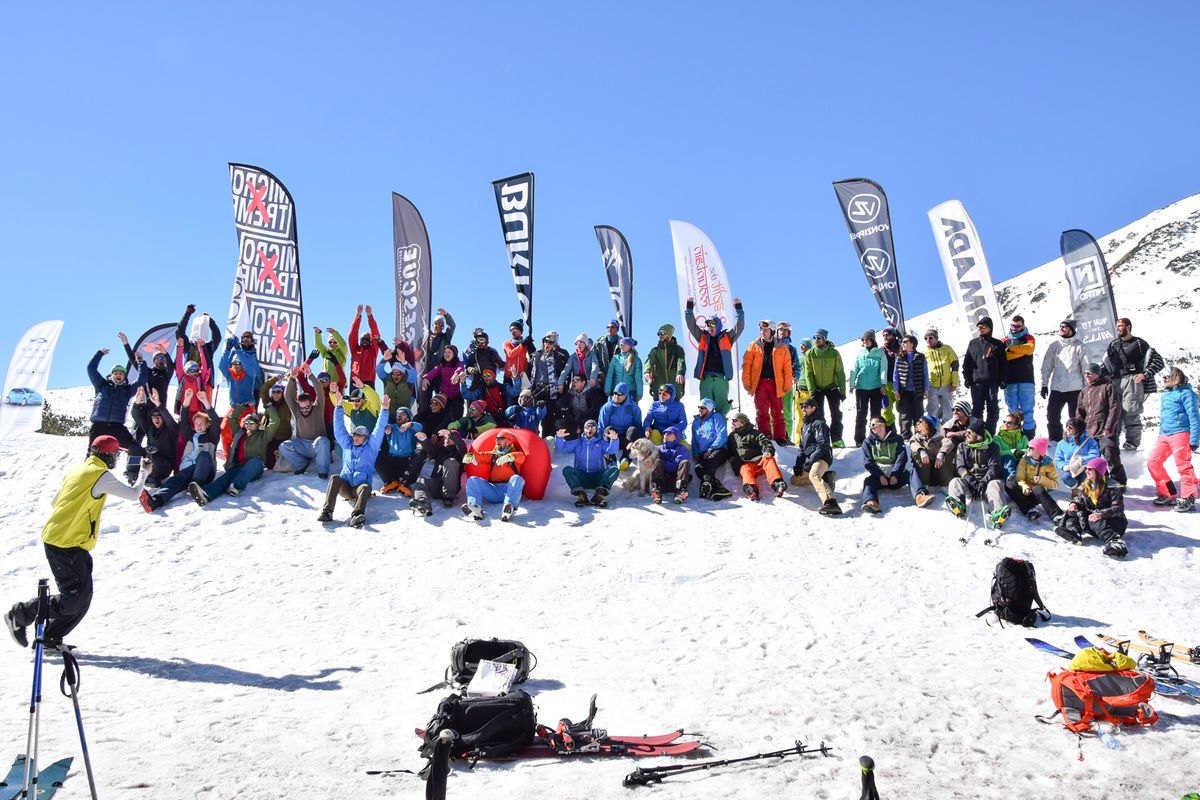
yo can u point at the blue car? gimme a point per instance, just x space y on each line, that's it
23 397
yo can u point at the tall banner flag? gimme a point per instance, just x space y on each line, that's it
865 207
266 291
618 268
414 275
700 274
967 272
25 383
514 199
1092 302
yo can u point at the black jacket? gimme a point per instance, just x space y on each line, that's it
984 362
1132 357
815 444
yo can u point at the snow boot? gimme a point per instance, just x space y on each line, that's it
1115 548
325 516
1185 505
719 492
923 498
389 487
839 444
1169 498
706 489
233 490
780 487
473 511
404 489
871 507
956 506
581 499
358 520
830 508
197 493
656 496
1064 530
681 497
751 491
507 512
600 498
17 632
1033 515
147 501
1000 516
420 509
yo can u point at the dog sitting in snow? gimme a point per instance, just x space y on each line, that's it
643 456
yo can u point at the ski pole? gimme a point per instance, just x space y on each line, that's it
644 776
867 765
29 784
70 678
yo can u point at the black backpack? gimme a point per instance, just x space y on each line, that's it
483 726
1014 591
466 655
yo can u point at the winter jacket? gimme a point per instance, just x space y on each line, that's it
622 416
480 358
870 369
605 349
75 518
1011 441
746 445
672 454
492 395
942 363
112 399
1030 467
578 363
517 355
1085 447
243 389
164 440
498 465
333 359
1104 498
310 427
525 417
194 382
664 363
1179 412
722 343
890 451
630 375
583 405
1063 365
984 362
204 441
441 378
248 445
910 374
781 367
815 444
979 462
402 442
369 411
1100 406
663 415
953 435
473 426
363 359
158 379
546 369
435 343
929 447
709 433
589 453
358 461
434 421
189 352
277 410
1018 357
823 369
1133 357
401 391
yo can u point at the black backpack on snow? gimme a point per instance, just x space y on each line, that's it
1014 591
466 655
483 726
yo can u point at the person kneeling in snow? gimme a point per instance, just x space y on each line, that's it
1097 507
673 472
980 471
503 481
360 449
752 453
591 469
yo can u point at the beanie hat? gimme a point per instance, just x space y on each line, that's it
612 323
811 402
629 341
977 427
322 376
583 337
361 430
1098 464
740 417
667 330
985 322
820 333
119 368
356 394
440 318
869 333
1039 445
931 332
963 406
709 403
403 410
806 343
1094 368
518 324
489 373
1070 323
891 330
477 405
932 420
438 398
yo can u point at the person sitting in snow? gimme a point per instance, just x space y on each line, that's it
673 472
1012 442
885 456
923 448
395 464
1073 453
980 475
199 460
751 454
243 380
1097 507
275 408
490 391
665 412
710 435
954 434
1034 479
162 435
308 443
591 468
440 456
815 458
360 449
526 414
501 480
244 462
624 415
475 422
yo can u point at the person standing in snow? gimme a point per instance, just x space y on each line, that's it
1133 364
983 372
1063 367
435 343
666 363
1178 435
605 349
767 376
68 538
546 365
714 357
625 366
910 379
518 350
942 363
802 392
891 349
826 378
1018 372
581 361
1100 406
867 377
783 336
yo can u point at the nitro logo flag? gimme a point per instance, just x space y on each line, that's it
865 207
414 274
1092 302
618 268
266 291
514 199
26 380
700 274
967 272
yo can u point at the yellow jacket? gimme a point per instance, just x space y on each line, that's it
1026 471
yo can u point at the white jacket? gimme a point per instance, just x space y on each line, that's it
1063 365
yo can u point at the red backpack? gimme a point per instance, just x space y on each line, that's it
1121 697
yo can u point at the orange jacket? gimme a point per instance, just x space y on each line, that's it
781 360
500 473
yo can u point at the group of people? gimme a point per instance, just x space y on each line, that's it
421 414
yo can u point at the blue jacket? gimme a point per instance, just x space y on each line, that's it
1179 412
357 462
111 403
401 443
1087 450
891 449
244 391
709 433
620 415
672 454
870 369
663 415
589 453
724 338
630 377
525 417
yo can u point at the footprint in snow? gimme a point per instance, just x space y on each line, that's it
233 517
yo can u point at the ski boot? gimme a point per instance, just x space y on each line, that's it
956 506
581 499
656 496
507 512
751 491
1165 500
680 497
839 444
389 487
719 492
780 487
473 511
871 507
17 632
420 509
1033 515
1115 548
1185 505
706 489
1000 516
600 498
358 520
325 516
147 501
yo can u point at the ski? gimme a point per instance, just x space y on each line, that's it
10 787
50 779
1046 647
664 744
1179 652
1167 680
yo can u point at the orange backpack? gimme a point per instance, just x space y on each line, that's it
1121 697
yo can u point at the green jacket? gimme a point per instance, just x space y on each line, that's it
339 356
664 363
280 416
823 369
256 444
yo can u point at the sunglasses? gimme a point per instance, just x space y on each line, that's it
617 394
930 338
1010 422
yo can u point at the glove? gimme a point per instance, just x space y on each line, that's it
541 403
312 356
1045 392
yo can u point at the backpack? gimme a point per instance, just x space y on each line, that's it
1014 591
466 655
1121 697
483 726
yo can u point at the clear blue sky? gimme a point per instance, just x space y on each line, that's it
119 118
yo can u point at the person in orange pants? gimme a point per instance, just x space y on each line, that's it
751 454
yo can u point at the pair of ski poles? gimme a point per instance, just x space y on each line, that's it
70 678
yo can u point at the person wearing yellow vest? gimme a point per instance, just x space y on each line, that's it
69 536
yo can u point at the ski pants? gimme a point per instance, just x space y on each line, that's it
1179 446
579 480
72 570
339 487
985 404
963 489
1037 496
834 398
201 471
873 483
787 414
1110 450
675 481
1019 397
716 388
908 405
889 405
1106 530
1133 398
1054 407
437 480
939 402
481 490
818 476
397 468
768 409
867 403
766 466
301 452
708 464
238 477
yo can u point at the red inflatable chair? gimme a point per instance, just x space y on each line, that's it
537 469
